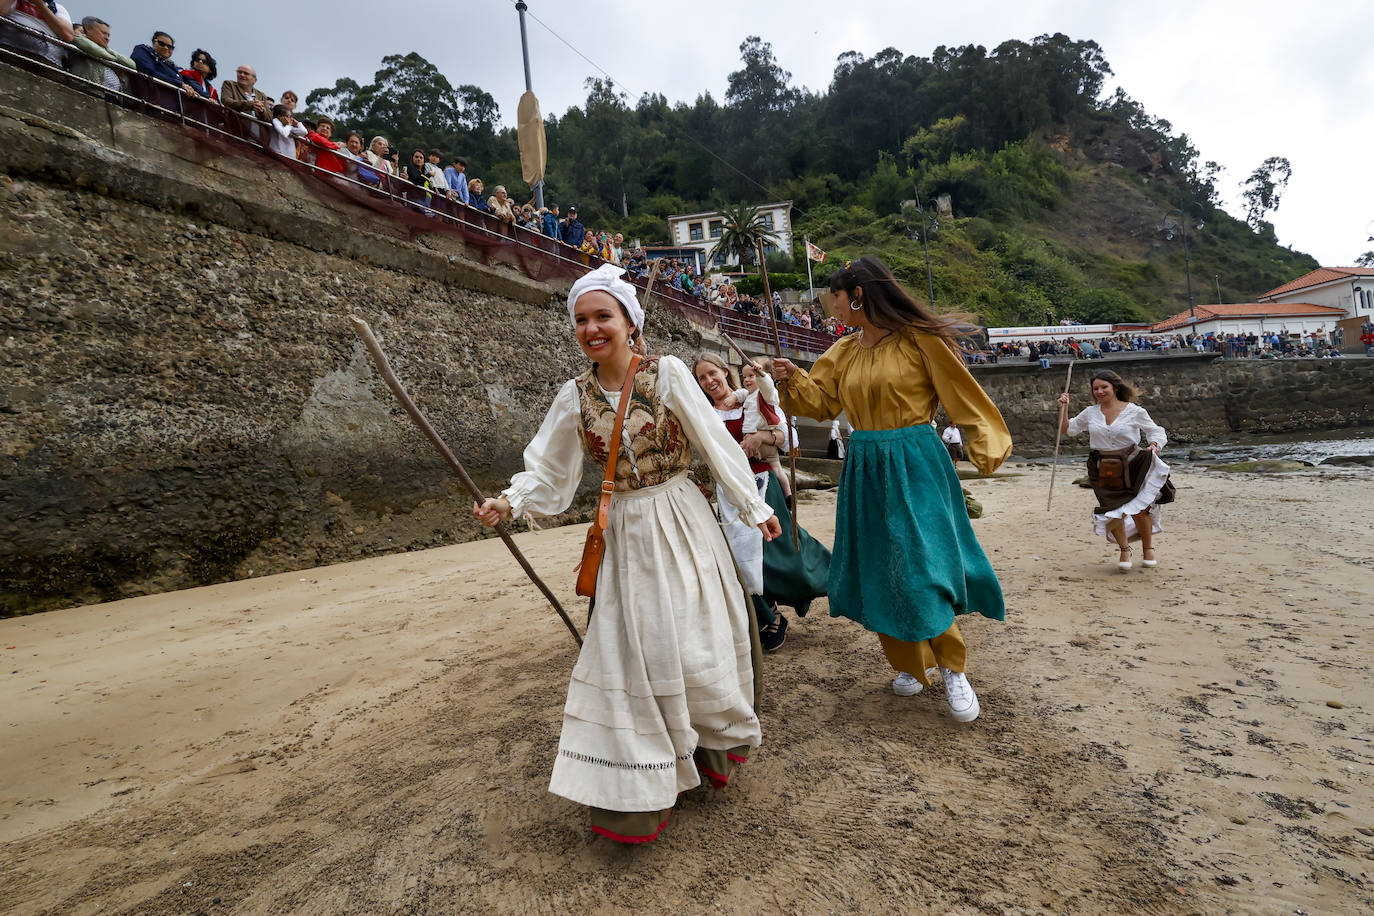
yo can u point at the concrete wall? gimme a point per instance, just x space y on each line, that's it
182 400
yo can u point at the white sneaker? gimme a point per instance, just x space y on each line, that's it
963 702
906 685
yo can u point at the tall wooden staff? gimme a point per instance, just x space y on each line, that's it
649 298
1059 431
786 396
738 349
384 370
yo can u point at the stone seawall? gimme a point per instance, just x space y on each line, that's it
1195 398
182 399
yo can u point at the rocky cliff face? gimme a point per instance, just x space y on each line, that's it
183 400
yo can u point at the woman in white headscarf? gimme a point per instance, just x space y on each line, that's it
662 695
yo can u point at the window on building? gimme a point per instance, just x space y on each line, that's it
717 228
694 230
768 221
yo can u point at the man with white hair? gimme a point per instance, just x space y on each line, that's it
501 206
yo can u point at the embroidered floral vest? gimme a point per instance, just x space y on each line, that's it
653 449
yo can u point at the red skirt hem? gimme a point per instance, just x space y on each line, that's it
621 838
717 780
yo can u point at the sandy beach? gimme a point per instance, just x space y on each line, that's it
376 737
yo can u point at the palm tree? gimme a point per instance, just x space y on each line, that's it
744 228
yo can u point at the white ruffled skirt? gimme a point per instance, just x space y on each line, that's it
1144 500
666 666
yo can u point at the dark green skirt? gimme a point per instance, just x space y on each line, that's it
906 560
792 577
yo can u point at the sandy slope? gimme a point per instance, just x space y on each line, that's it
376 737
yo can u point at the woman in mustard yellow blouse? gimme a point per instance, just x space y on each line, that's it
905 561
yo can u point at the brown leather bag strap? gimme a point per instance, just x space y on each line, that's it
603 509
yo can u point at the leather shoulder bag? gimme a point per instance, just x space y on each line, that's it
595 547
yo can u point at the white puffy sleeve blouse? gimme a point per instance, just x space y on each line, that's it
1132 423
553 459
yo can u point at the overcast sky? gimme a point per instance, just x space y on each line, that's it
1246 80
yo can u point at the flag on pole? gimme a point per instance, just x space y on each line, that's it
813 253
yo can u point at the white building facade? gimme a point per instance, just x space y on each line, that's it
703 230
1290 319
1350 289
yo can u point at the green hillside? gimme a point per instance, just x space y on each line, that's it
1062 200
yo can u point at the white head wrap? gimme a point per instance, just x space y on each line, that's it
608 277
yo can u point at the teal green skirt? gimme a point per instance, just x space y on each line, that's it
906 561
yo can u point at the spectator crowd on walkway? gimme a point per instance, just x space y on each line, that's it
1280 344
423 177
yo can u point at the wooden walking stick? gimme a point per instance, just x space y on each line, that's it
1059 431
786 397
384 370
737 348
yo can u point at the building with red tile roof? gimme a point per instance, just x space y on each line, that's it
1351 289
1254 317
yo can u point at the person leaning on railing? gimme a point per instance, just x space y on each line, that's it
155 60
48 18
285 129
94 43
321 139
500 205
414 172
457 181
475 198
378 155
434 172
361 169
201 76
239 95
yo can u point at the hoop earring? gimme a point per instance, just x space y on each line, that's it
856 305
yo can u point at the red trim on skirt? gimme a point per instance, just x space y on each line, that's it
620 838
717 780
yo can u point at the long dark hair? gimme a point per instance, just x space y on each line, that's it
1124 392
890 307
209 62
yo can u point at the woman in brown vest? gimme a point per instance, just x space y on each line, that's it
1130 482
662 694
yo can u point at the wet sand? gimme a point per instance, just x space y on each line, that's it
376 737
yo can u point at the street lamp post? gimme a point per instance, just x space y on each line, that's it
1187 258
521 6
1188 269
930 277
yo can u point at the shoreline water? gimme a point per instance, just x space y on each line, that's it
1312 448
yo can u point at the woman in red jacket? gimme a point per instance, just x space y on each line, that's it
201 76
320 140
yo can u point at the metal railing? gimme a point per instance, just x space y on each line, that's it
363 182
